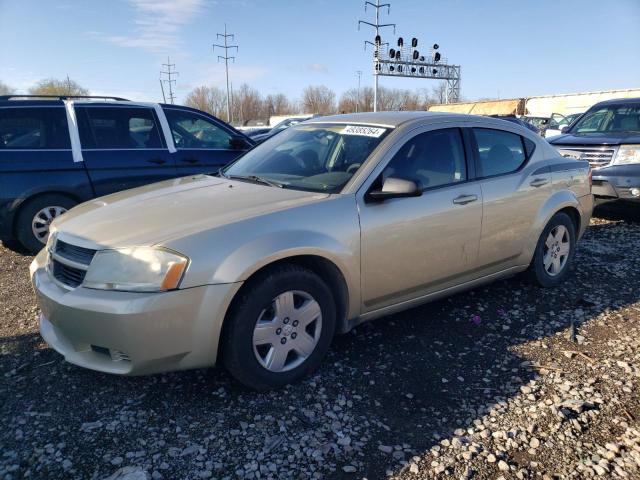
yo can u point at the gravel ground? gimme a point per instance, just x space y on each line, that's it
505 381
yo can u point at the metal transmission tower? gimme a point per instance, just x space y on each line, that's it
377 43
168 80
226 36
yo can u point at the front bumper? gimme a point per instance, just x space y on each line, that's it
617 182
130 333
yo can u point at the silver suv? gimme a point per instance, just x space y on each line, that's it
333 222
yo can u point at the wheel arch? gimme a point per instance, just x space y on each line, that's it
562 201
20 204
326 269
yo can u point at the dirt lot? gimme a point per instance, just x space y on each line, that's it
494 382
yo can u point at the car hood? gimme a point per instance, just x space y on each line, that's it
608 138
152 214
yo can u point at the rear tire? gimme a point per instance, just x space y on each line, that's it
35 216
279 329
554 252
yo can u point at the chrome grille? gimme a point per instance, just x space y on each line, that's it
68 263
596 156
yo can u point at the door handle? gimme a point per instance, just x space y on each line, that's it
538 182
189 160
157 161
464 199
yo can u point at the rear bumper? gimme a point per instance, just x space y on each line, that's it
131 333
620 182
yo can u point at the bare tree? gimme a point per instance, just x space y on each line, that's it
208 99
5 89
54 86
348 101
247 105
319 99
440 93
277 104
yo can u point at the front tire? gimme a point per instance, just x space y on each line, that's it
34 218
554 252
279 329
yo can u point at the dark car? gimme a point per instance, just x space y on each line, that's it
608 136
519 121
283 125
58 152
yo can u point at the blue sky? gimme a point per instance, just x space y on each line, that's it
506 48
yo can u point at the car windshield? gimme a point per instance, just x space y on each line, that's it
313 157
611 118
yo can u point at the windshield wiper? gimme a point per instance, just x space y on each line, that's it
254 179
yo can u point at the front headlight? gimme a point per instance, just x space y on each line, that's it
627 154
139 269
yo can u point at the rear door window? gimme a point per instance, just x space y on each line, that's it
117 128
34 128
499 152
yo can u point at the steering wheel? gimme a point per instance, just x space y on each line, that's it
353 167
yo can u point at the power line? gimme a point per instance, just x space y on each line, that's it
377 43
168 80
226 36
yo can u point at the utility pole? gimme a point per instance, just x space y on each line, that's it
226 36
359 74
168 80
376 43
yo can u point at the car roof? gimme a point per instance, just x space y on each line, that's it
395 119
31 103
618 101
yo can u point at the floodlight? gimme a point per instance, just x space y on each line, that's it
414 42
416 54
400 42
436 46
436 57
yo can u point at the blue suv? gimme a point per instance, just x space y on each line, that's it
60 151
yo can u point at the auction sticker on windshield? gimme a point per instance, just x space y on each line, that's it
363 131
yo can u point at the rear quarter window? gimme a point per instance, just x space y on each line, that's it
34 128
501 152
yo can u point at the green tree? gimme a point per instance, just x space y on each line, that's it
5 89
54 86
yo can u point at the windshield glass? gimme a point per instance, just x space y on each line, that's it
314 157
611 118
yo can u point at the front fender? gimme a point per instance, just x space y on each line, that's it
233 252
252 256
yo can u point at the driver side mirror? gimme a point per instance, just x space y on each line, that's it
564 129
395 188
239 142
